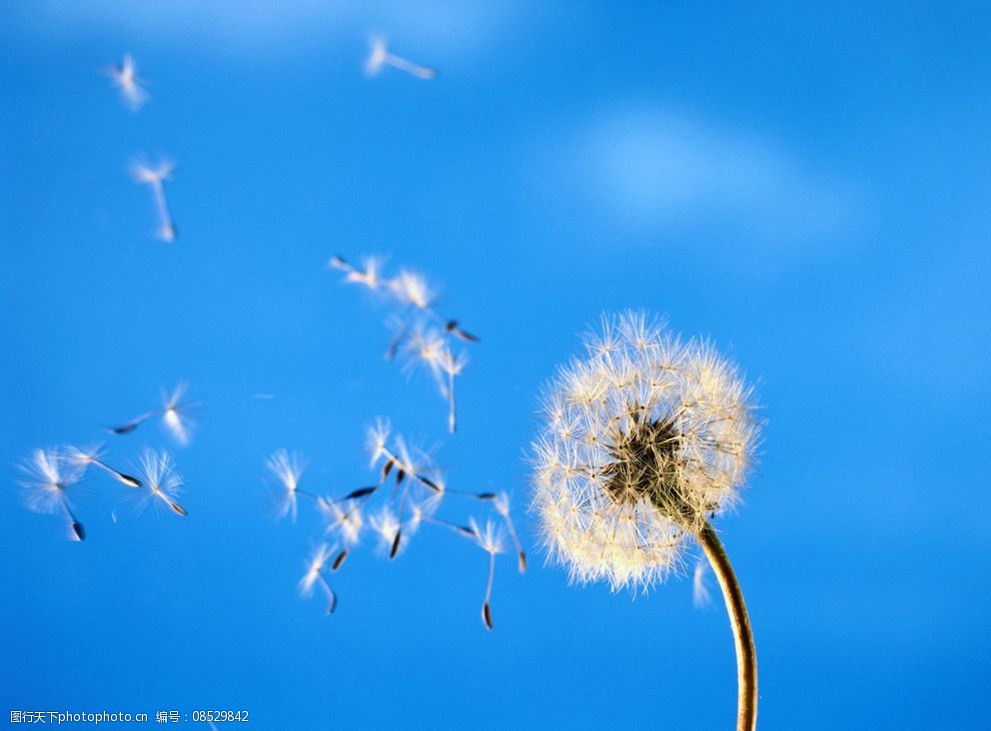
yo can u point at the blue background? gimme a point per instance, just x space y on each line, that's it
807 185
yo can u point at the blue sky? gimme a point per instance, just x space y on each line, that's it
809 187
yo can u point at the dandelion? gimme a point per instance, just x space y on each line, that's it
380 56
94 456
126 79
288 468
644 441
48 474
160 480
490 540
153 176
314 574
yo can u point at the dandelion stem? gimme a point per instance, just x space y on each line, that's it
746 653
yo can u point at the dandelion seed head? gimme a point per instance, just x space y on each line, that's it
643 440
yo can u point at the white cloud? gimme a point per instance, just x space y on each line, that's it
660 167
444 26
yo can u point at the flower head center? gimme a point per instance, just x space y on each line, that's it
646 465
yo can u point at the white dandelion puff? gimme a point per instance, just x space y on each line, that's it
161 482
48 474
153 177
379 56
314 575
125 78
644 441
287 467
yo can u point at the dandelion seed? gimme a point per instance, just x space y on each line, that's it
380 56
94 456
126 79
377 437
398 458
411 290
131 425
154 177
431 348
700 592
343 518
160 480
646 440
490 540
385 525
288 468
175 414
465 531
314 575
48 474
501 504
369 277
453 328
361 492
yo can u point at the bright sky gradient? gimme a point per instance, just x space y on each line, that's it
808 185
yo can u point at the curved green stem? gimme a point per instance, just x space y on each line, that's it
746 653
